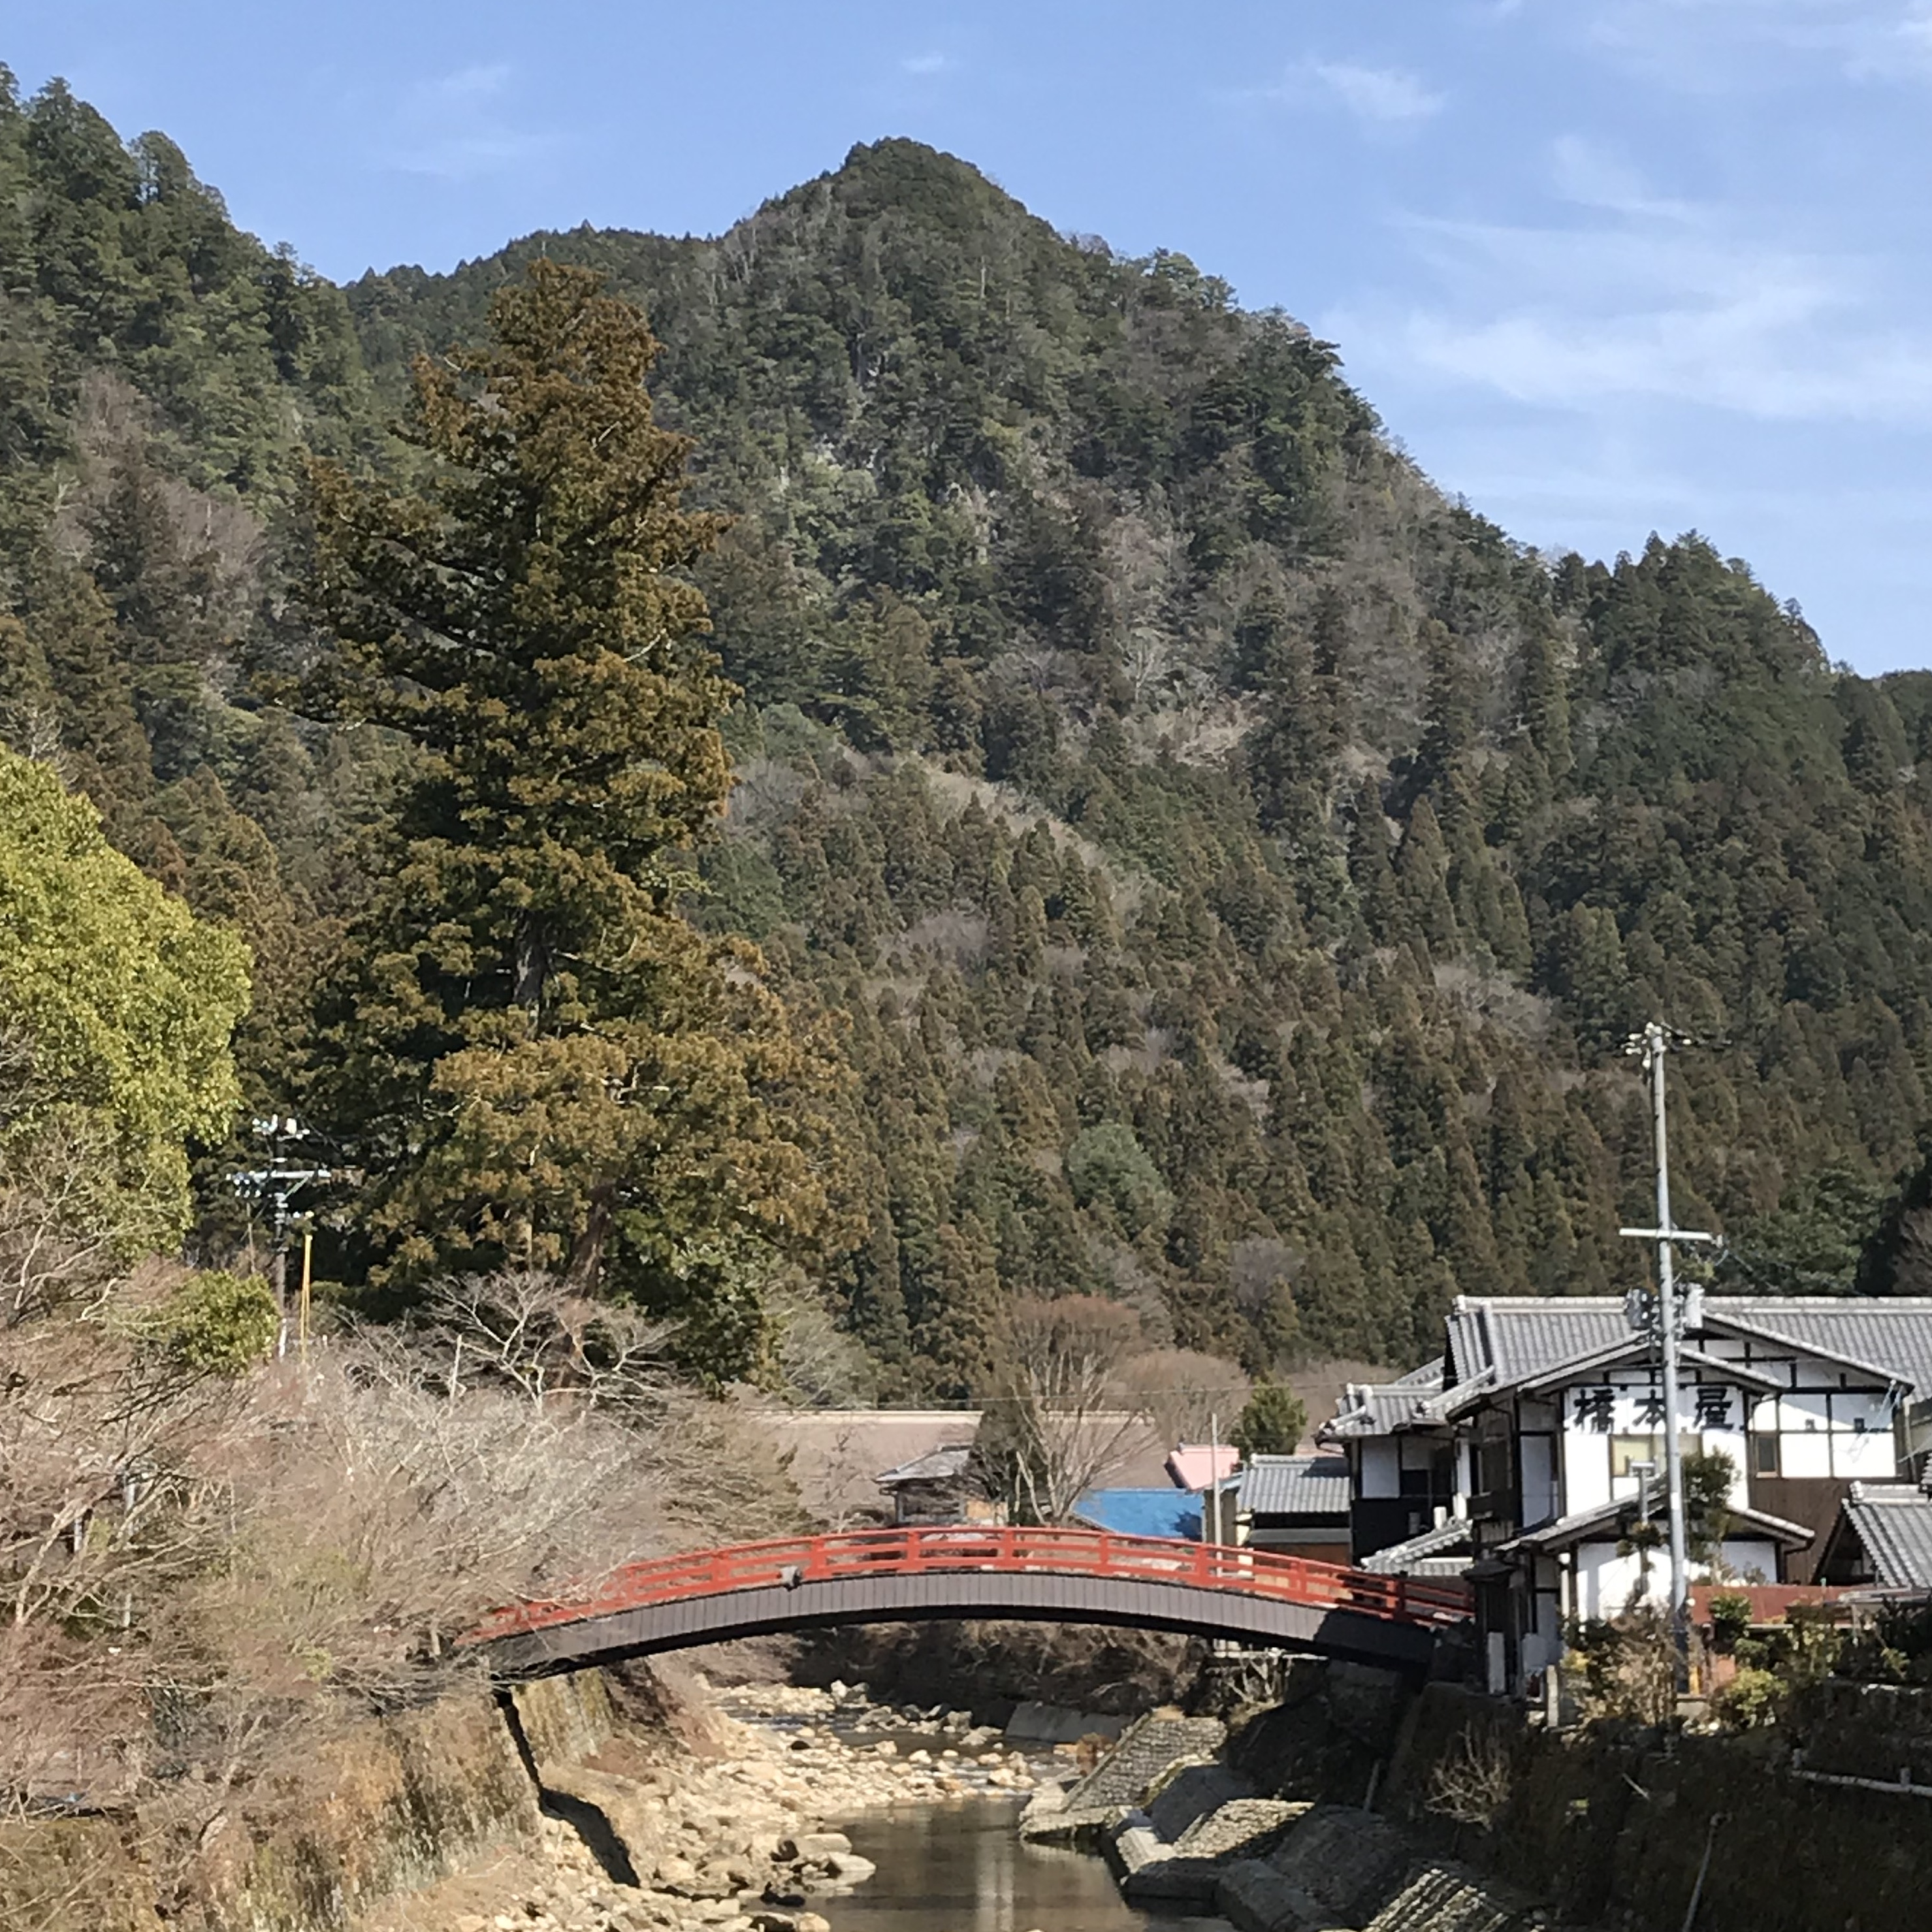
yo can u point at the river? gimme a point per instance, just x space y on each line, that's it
961 1868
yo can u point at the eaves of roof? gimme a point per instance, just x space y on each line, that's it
1585 1526
1759 1331
1382 1408
1894 1523
947 1463
1640 1348
1434 1546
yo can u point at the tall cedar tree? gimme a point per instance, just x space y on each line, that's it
532 1057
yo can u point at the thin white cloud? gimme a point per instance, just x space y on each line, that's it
1716 46
1591 319
1386 96
1896 49
454 127
1594 176
467 85
925 63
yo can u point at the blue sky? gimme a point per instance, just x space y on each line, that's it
1605 266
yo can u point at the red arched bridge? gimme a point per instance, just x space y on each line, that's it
894 1575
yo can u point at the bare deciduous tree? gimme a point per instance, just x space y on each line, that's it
63 1234
1060 1420
1187 1396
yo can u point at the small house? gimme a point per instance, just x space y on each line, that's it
1296 1506
937 1487
1532 1454
1882 1538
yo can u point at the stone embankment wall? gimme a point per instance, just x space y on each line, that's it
1625 1829
1356 1807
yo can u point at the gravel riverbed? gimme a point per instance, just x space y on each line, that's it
732 1837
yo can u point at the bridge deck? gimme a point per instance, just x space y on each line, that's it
1055 1575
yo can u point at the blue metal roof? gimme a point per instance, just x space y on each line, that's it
1142 1512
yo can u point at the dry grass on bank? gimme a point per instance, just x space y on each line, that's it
202 1568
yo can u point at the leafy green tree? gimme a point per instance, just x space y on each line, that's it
116 1006
1273 1424
532 1057
1108 1163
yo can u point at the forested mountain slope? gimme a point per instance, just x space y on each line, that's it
1237 866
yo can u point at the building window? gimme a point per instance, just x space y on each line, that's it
1764 1455
1491 1466
1627 1450
1428 1469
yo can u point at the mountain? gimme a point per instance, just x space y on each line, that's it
1237 866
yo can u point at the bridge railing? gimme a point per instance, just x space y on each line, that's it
792 1561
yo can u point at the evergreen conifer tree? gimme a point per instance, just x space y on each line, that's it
529 1055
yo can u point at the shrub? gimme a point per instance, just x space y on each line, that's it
1472 1782
1628 1666
1753 1698
1730 1619
218 1324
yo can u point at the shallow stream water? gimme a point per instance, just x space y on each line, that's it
961 1867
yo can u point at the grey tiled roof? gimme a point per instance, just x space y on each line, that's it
937 1465
1428 1376
1636 1350
1894 1522
1588 1526
1516 1337
1444 1551
1894 1334
1295 1485
1380 1408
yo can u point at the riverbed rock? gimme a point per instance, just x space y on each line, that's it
823 1844
619 1811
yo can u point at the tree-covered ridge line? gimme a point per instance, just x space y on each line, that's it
1234 865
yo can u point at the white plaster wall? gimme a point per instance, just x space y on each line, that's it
1733 1443
1873 1457
1806 1455
1605 1580
1586 1469
1380 1474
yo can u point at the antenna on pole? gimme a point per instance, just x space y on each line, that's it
1653 1045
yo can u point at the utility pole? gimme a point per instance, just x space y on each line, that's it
1654 1045
280 1182
1214 1497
